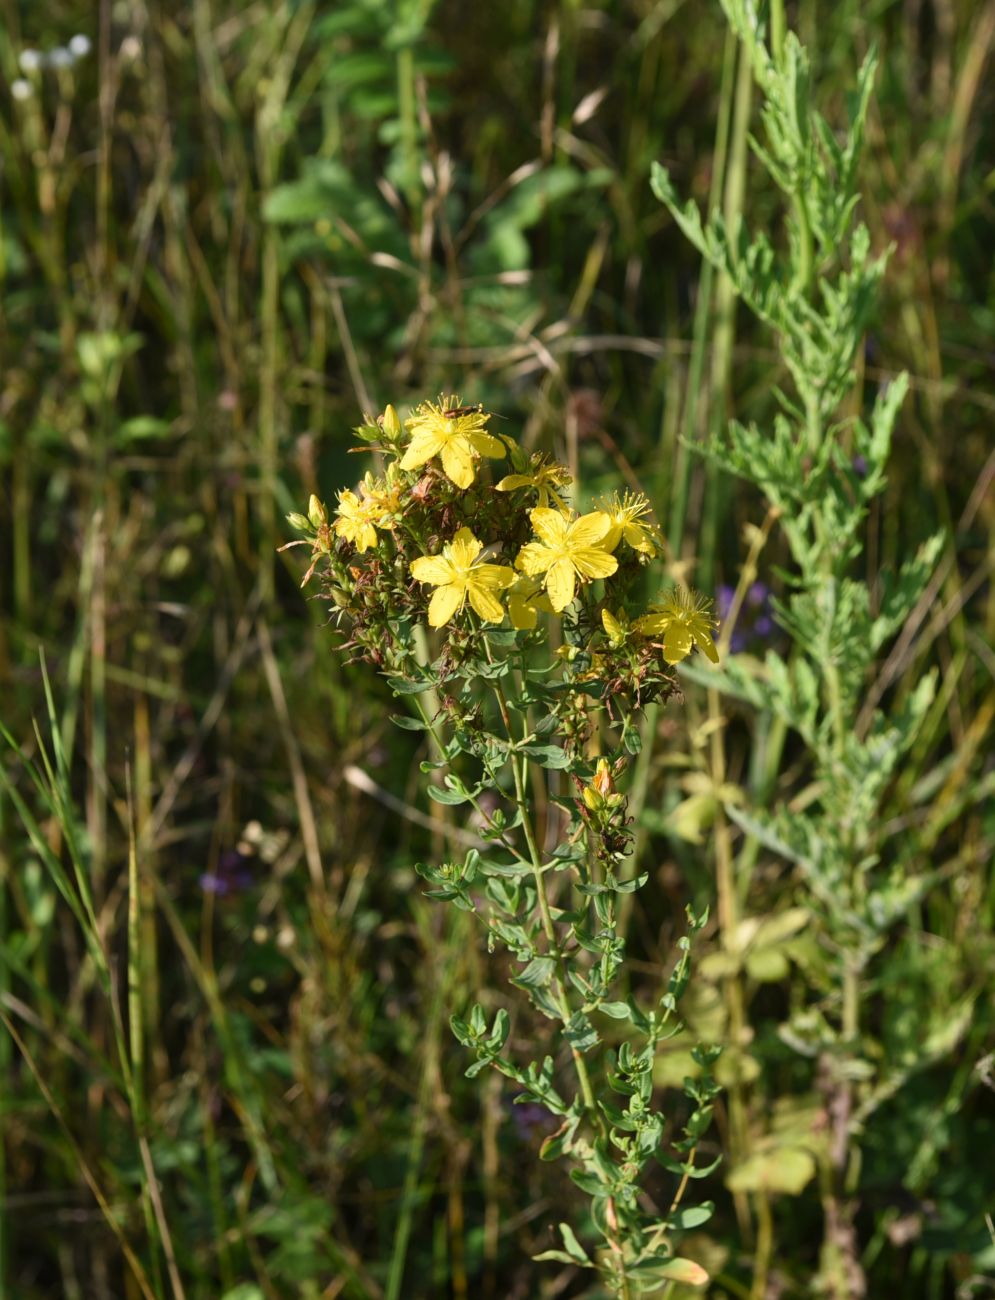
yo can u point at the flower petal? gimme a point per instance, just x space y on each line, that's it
592 562
486 444
464 548
522 612
550 526
651 624
560 584
638 538
495 577
588 529
435 569
705 643
425 443
612 538
366 538
487 605
677 642
512 481
457 461
445 602
534 558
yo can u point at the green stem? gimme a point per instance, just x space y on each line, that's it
778 28
548 926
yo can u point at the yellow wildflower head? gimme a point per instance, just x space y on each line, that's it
567 549
455 433
356 520
629 523
385 496
545 476
682 618
458 575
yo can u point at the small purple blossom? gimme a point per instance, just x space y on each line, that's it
230 876
859 465
754 623
530 1120
723 600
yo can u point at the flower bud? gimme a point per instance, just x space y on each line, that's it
300 522
391 424
316 512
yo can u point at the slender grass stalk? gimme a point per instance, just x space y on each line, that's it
676 512
416 1146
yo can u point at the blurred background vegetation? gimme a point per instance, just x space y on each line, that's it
230 227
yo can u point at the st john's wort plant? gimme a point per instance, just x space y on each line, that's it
819 464
539 671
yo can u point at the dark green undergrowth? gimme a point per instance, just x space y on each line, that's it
226 232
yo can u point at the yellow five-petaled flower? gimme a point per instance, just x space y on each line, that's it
545 476
357 517
458 576
454 433
567 550
684 618
628 522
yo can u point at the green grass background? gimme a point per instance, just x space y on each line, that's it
225 232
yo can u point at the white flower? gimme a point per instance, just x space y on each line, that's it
21 89
30 60
80 46
60 58
131 48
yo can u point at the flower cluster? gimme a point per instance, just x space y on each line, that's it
431 535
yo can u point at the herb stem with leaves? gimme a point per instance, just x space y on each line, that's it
543 663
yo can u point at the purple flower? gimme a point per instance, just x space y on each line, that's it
859 465
230 875
723 600
754 622
530 1119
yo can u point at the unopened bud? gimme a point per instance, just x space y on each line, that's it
391 424
316 512
300 522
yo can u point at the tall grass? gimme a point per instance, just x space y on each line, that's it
225 232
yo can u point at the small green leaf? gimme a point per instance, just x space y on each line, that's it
408 724
693 1216
551 756
451 797
673 1269
617 1010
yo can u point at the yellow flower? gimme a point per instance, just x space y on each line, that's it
685 619
545 476
567 550
525 600
459 439
357 519
626 515
601 788
457 575
385 495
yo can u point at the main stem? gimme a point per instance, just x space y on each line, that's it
549 929
559 984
